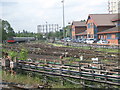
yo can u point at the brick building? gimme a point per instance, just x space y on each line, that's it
99 22
113 34
82 34
98 26
78 27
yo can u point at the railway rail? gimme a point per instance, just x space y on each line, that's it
47 61
80 73
47 50
15 86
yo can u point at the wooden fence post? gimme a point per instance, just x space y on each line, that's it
45 77
62 79
79 68
79 63
82 81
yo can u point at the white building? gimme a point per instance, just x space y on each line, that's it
119 6
113 6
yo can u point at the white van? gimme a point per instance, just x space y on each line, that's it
90 40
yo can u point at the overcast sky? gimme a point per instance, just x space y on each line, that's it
27 14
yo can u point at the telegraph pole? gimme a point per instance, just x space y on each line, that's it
63 19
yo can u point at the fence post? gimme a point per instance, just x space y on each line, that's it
106 73
82 81
45 77
79 68
62 79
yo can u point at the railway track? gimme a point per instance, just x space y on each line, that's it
48 54
79 73
14 86
10 85
48 50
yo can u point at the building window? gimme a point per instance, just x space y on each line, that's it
73 29
95 30
118 23
109 36
88 25
91 25
117 36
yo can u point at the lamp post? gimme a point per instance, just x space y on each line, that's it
63 19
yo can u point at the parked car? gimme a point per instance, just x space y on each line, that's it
68 40
62 40
75 40
83 40
102 41
79 40
90 40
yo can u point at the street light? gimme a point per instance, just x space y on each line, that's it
63 19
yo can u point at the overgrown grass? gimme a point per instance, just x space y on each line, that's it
56 45
33 81
86 47
22 79
61 45
108 50
66 85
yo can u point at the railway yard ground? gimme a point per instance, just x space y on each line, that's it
68 54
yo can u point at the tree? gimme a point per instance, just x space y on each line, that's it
13 54
39 36
57 34
7 30
29 34
51 35
83 20
23 54
68 31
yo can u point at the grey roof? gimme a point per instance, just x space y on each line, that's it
103 19
115 29
79 23
117 17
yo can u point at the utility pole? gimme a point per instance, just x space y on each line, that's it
63 20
